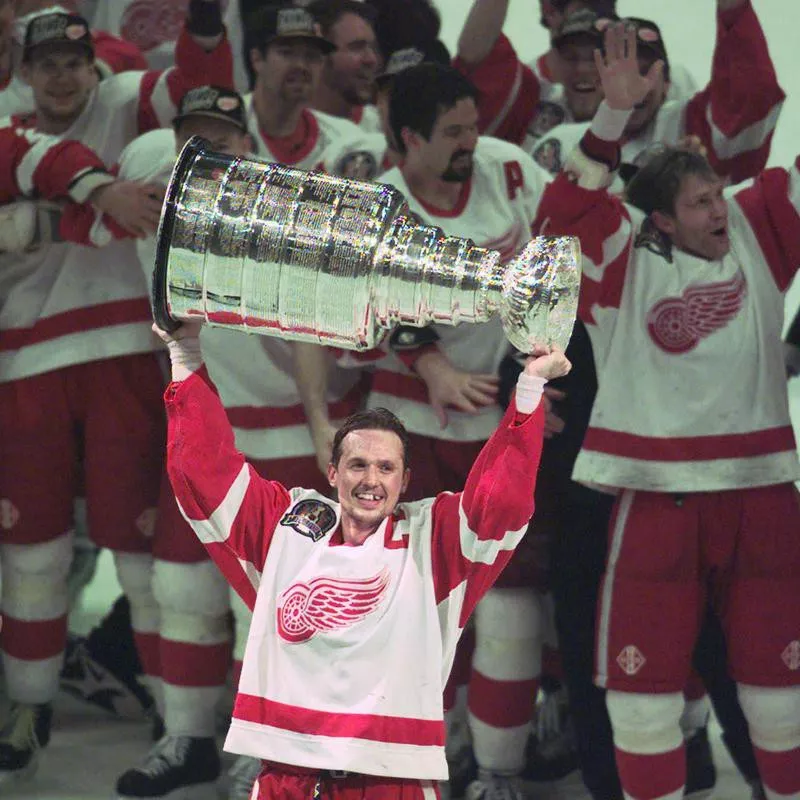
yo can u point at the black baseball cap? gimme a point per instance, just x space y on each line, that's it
287 23
57 29
583 23
214 102
433 51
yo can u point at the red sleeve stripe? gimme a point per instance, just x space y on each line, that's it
595 260
218 527
165 96
372 727
691 448
39 146
477 547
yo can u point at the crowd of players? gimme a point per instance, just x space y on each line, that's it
621 636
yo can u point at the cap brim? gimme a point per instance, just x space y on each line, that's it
209 115
60 44
323 44
591 35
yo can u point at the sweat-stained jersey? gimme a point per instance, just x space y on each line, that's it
254 373
522 103
71 304
496 210
692 385
734 116
350 646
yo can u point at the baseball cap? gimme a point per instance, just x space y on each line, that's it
276 23
648 36
433 51
214 102
583 23
57 28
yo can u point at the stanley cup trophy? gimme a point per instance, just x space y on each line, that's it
267 249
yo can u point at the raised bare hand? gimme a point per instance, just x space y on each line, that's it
623 84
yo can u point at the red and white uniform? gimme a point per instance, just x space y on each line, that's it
691 426
496 210
405 594
72 305
367 118
322 143
734 116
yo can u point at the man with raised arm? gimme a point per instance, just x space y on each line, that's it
358 603
682 297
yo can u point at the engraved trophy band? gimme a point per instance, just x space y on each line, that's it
264 248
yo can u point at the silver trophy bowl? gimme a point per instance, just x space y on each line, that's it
264 248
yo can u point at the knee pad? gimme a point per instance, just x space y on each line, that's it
773 716
645 724
509 614
194 602
35 577
135 576
508 630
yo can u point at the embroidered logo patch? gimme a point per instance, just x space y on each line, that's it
791 656
677 324
630 659
548 156
328 604
311 518
547 116
358 165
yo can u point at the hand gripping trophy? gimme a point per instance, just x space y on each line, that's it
268 249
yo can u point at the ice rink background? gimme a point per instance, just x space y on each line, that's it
88 750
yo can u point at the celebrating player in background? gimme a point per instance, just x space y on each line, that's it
683 293
404 577
79 380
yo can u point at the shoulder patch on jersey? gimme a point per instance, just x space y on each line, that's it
358 165
311 518
546 117
651 238
548 155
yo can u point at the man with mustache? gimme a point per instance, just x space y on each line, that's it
287 58
487 190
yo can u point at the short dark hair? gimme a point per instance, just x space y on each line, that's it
420 94
327 13
657 182
373 419
405 23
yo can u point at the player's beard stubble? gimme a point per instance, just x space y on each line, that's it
459 169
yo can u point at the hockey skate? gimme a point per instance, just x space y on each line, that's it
489 786
177 768
25 732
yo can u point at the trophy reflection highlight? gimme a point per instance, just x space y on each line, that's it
268 249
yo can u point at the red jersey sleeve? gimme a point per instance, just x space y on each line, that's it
35 164
161 92
231 509
736 114
114 55
772 207
475 531
509 92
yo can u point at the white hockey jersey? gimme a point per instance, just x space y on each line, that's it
350 647
71 304
254 373
496 210
691 381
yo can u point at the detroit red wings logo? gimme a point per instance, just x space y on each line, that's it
677 324
328 604
149 23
